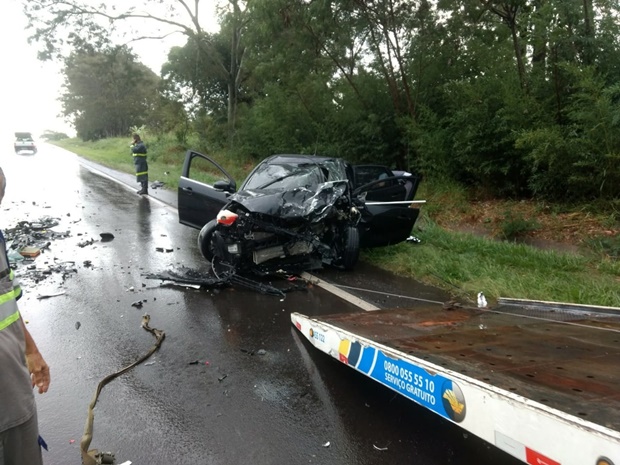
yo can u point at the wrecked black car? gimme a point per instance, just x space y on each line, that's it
293 212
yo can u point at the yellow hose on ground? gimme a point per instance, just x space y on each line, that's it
93 456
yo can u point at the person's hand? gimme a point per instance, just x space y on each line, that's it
39 371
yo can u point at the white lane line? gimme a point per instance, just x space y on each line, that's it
122 183
361 303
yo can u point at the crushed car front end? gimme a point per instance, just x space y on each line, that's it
291 231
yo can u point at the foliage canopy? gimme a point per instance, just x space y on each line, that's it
510 97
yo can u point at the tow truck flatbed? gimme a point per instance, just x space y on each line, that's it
539 380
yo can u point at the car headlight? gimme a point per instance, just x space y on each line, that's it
226 217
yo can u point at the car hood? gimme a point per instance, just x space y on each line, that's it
300 202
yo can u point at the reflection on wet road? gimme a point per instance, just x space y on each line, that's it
233 382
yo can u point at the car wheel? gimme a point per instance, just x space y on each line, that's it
350 248
205 243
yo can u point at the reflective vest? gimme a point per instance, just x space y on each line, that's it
9 312
10 290
17 402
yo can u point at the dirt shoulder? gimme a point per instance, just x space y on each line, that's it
531 223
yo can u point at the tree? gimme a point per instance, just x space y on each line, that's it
107 92
58 23
200 85
508 11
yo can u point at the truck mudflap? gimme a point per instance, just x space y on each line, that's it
530 405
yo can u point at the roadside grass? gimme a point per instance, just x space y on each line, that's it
115 153
465 264
461 262
165 158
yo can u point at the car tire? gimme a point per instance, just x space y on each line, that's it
205 243
350 248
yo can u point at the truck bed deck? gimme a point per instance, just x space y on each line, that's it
528 375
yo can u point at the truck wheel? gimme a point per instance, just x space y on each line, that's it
205 243
350 248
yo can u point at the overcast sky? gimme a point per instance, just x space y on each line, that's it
30 88
29 101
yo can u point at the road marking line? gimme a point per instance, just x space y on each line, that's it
121 182
361 303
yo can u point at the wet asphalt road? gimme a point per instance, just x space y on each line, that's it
259 394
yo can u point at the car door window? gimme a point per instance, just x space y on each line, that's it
203 170
379 184
365 174
199 200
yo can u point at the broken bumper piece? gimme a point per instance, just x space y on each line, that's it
208 281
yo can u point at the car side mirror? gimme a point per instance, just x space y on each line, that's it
224 186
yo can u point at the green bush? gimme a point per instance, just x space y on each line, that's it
606 245
513 226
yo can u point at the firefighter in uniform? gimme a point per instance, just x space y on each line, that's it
21 368
138 150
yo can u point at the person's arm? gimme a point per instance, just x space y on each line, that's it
39 370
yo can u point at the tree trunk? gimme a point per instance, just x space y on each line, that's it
588 32
234 71
508 13
518 56
539 43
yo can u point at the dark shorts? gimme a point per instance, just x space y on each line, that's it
142 171
20 445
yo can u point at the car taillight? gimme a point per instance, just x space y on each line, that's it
226 217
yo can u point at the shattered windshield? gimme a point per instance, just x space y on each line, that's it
286 176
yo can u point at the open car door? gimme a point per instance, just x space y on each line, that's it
204 187
388 216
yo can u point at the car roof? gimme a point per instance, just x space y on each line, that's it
23 135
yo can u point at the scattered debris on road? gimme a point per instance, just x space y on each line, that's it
205 280
30 252
186 275
164 249
27 243
86 243
106 237
29 239
48 295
